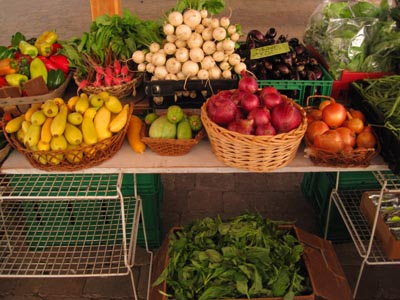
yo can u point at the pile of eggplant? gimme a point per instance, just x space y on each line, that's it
298 64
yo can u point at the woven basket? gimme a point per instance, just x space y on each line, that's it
119 91
170 147
251 152
344 159
82 158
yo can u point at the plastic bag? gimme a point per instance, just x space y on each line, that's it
347 36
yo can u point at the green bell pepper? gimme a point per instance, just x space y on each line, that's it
55 78
24 63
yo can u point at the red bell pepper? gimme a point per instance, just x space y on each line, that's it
3 81
55 47
48 63
61 61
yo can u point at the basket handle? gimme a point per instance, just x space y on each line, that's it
318 96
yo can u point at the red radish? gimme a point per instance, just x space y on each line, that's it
270 97
247 83
260 115
285 117
117 67
124 70
99 70
249 101
221 110
266 129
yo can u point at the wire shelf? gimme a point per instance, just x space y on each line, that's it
348 204
391 180
65 237
54 186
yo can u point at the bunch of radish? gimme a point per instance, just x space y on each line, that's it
197 46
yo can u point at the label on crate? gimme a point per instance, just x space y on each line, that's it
269 50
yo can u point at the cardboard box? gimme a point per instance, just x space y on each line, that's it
326 275
390 244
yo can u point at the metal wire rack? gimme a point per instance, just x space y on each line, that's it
361 231
68 225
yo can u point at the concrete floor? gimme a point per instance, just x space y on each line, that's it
189 196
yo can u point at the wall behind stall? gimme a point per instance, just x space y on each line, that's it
71 18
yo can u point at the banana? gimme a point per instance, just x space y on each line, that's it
71 102
82 104
120 120
113 104
57 127
50 108
32 136
45 133
73 134
29 113
15 124
101 122
88 130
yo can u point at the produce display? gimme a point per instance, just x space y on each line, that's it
32 67
246 257
253 111
357 36
81 121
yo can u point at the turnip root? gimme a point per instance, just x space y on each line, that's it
192 18
175 18
190 68
209 47
154 47
183 32
138 56
196 54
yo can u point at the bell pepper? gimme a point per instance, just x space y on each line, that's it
44 49
27 49
61 61
48 63
49 37
55 47
16 80
3 81
24 65
55 78
8 66
6 52
37 68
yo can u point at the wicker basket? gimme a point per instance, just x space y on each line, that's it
345 159
251 152
120 91
82 158
170 147
23 103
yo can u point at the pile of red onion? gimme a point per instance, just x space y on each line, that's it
250 110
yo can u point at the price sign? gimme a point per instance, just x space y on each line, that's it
269 50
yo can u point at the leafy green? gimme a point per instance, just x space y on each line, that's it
354 35
247 256
212 6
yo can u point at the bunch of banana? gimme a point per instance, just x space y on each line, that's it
58 125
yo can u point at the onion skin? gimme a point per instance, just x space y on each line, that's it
221 110
334 114
247 83
285 117
330 141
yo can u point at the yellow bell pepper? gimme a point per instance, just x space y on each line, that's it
37 68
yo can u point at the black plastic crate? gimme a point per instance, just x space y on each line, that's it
390 143
164 93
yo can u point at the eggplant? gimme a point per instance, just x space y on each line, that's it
256 35
271 33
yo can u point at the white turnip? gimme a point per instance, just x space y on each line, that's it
218 56
154 47
219 33
138 56
171 38
160 72
196 54
192 18
204 13
173 65
215 72
182 54
180 44
207 34
240 67
175 18
199 28
207 63
190 68
183 32
203 74
227 74
169 48
234 59
168 29
209 47
195 40
225 22
158 59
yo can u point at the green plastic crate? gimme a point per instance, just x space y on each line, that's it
93 222
303 88
317 188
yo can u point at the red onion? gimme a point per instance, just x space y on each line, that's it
285 117
261 116
270 97
247 83
266 129
237 95
221 110
249 102
243 126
